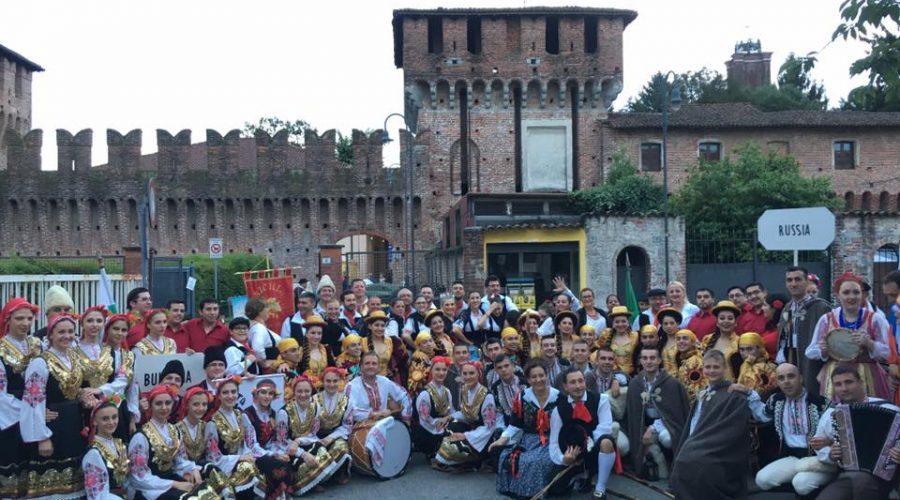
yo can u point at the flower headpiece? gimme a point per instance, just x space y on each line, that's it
113 401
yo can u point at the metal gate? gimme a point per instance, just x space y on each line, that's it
406 268
168 281
720 260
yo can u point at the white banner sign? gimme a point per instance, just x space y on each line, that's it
796 229
147 369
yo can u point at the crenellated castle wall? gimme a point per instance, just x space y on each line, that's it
261 194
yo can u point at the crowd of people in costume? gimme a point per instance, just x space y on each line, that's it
708 396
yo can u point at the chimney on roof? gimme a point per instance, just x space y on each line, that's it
749 65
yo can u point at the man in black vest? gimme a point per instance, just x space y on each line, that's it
581 437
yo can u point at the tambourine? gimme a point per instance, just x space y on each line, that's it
840 345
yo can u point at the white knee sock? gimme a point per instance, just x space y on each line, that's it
605 462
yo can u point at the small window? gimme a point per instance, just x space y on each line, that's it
473 34
710 151
590 35
844 154
552 35
435 35
651 156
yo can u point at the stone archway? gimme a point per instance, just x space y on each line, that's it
634 259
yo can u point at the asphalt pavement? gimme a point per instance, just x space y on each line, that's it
421 481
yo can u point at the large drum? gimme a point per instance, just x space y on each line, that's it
381 449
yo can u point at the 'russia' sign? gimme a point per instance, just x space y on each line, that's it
796 229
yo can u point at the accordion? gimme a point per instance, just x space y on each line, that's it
866 433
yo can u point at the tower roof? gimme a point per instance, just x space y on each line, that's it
400 14
19 59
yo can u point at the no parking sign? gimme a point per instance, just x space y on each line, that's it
216 248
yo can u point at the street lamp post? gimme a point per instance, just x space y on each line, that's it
671 97
410 264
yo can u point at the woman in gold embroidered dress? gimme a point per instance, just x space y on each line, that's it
690 364
470 427
114 334
55 382
296 428
105 465
17 349
335 420
155 341
160 468
97 362
620 339
316 355
231 445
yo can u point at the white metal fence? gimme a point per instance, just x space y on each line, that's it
82 288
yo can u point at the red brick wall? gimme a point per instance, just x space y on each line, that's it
878 151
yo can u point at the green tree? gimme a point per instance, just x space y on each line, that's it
272 124
795 90
694 85
794 74
344 149
624 192
731 194
230 283
876 23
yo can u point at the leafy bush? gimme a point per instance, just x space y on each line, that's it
625 192
230 284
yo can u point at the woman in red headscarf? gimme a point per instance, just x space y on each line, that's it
54 381
296 427
526 468
105 465
335 418
470 427
232 446
160 468
434 404
114 333
97 364
17 349
858 330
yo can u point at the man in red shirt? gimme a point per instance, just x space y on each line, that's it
704 322
139 302
175 328
752 318
207 330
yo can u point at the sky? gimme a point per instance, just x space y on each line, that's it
216 64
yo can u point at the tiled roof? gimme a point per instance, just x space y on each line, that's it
19 59
744 115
